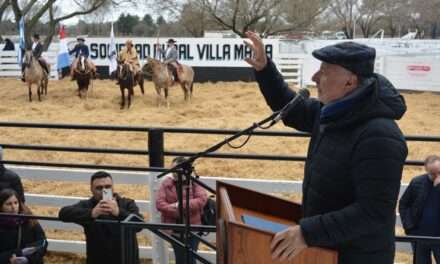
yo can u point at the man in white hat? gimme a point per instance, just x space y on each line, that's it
81 49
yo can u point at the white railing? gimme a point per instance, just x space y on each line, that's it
9 66
291 67
158 248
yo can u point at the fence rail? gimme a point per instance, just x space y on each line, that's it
50 171
9 66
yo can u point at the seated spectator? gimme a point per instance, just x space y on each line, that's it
9 45
167 204
9 179
22 241
103 240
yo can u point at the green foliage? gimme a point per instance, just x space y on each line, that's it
126 23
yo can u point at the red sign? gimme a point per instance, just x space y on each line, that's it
418 68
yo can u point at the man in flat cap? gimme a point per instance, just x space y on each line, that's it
170 56
355 157
81 49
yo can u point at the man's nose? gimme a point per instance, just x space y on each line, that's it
315 77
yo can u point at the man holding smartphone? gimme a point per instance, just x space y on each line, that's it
103 240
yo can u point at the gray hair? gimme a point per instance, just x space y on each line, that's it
430 159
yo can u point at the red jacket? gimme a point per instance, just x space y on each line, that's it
167 197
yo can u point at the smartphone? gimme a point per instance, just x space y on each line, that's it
107 194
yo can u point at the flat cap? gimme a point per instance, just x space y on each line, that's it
355 57
80 39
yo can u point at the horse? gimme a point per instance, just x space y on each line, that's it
126 79
82 74
138 77
161 77
35 74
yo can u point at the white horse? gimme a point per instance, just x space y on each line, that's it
35 74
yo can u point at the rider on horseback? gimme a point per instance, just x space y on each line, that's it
170 57
129 55
81 49
37 50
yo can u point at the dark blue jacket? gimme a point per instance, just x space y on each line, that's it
31 236
80 49
353 168
413 200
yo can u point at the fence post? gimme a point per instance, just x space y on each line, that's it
156 158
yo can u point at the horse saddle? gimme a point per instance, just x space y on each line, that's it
175 69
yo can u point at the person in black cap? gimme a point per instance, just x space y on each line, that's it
355 158
37 51
170 57
81 49
9 45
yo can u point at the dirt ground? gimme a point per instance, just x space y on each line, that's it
214 105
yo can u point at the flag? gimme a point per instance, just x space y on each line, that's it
21 42
63 59
112 53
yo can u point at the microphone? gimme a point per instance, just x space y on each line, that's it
300 96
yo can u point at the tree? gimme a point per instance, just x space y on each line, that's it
396 14
370 12
3 8
346 12
267 17
126 23
150 27
195 19
424 16
35 11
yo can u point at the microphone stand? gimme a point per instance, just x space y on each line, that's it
185 168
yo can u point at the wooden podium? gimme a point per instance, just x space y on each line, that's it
238 243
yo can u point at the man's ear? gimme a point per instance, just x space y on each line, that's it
353 81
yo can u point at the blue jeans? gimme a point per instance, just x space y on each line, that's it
424 253
179 252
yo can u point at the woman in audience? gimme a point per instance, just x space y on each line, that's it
22 241
168 205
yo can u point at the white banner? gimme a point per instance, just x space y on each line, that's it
200 52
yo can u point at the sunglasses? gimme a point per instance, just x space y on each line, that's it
100 187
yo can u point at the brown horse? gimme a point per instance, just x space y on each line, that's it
126 80
162 79
35 74
138 77
82 74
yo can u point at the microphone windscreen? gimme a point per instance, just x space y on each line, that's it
304 93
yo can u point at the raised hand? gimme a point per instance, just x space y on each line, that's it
100 209
111 206
259 59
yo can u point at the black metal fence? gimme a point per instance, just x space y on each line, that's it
127 227
156 151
